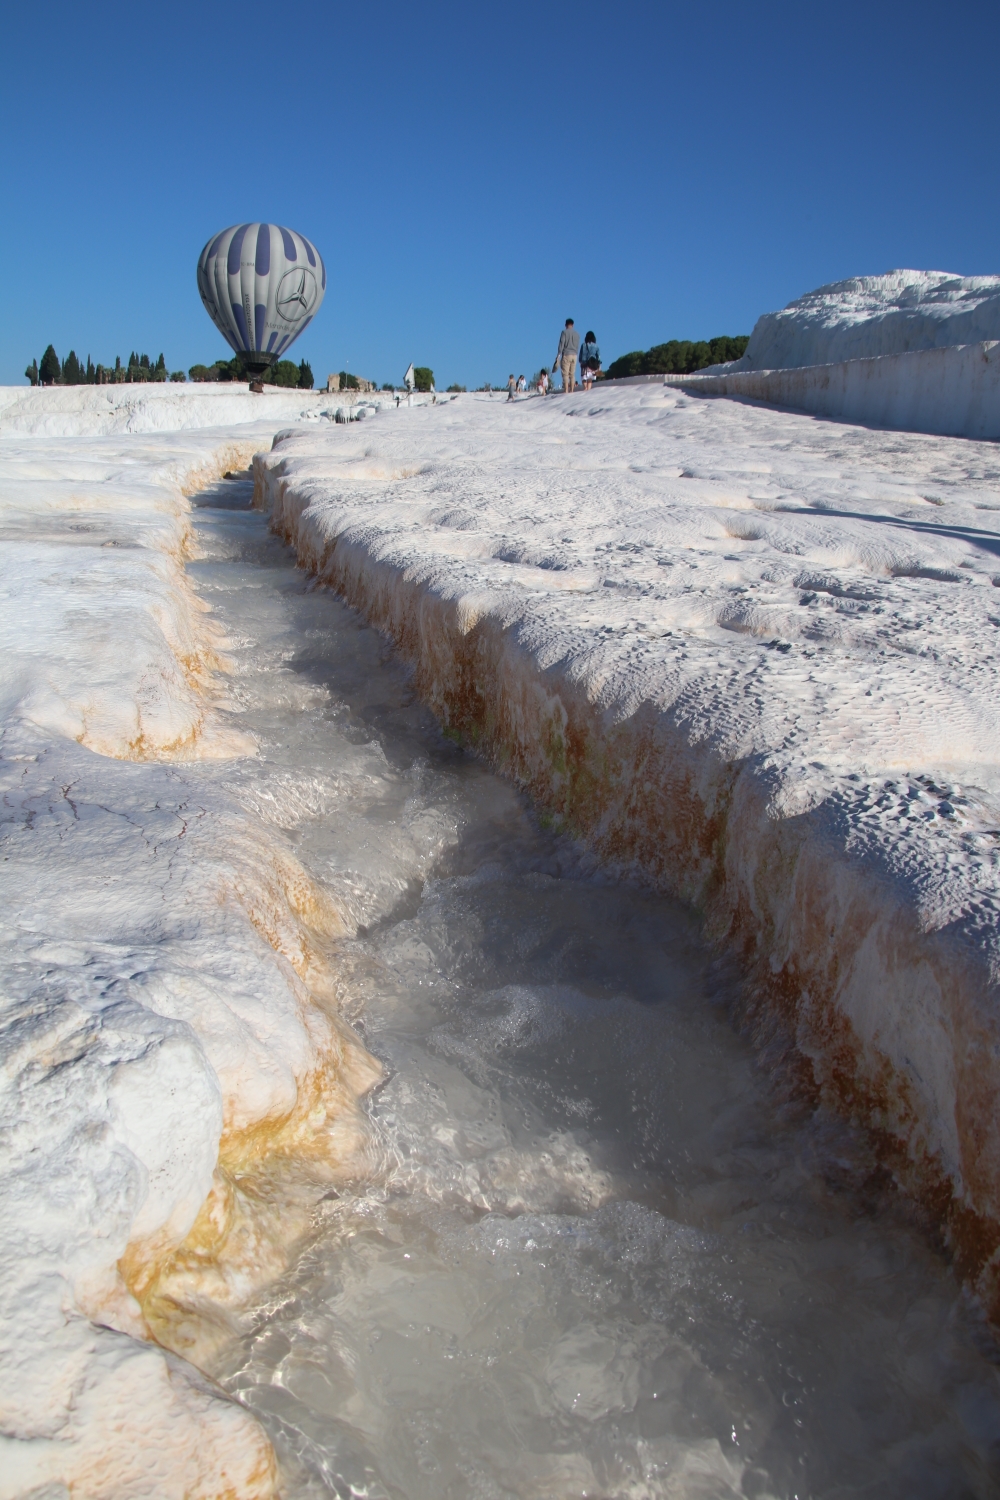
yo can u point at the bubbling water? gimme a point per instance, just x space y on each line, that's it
597 1256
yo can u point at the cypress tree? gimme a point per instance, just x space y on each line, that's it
49 370
32 372
71 369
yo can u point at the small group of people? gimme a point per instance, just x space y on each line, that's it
569 350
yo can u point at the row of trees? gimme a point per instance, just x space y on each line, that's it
679 357
72 371
284 372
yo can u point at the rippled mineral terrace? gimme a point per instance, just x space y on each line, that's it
371 1127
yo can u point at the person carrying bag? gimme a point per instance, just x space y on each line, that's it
590 361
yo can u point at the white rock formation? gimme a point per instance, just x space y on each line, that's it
913 350
754 658
750 657
159 1034
868 316
96 410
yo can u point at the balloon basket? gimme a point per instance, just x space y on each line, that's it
255 368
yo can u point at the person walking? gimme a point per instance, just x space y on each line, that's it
511 387
569 343
590 361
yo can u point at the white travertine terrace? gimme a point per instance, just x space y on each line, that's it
167 1031
748 656
869 317
913 350
753 658
102 410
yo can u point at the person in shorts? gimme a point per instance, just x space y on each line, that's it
590 360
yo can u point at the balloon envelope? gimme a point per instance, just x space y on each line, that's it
261 285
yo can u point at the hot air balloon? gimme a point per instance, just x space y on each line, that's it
261 286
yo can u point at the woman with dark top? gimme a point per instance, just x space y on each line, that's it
590 360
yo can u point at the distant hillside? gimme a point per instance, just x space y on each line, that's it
679 357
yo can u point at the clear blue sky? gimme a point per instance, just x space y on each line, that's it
473 174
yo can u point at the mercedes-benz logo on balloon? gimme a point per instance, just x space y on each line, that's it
296 294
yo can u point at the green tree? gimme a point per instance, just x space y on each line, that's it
679 357
456 388
222 369
388 387
423 377
50 369
305 381
31 372
349 382
91 375
177 375
283 372
71 372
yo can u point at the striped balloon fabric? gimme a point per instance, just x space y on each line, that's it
261 286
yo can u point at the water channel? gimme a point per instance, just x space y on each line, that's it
602 1255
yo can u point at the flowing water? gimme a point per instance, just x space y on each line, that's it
598 1256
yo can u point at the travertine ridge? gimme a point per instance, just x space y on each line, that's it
749 657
